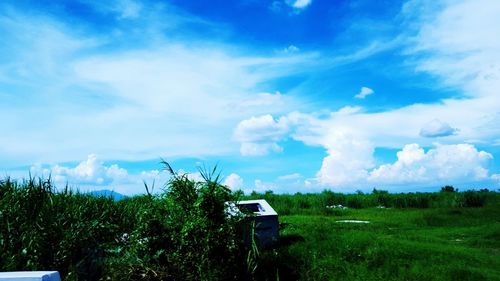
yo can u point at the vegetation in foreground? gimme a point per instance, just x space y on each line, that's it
182 234
185 234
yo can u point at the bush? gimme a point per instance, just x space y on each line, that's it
182 234
474 199
382 197
448 188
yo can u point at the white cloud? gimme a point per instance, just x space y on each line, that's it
364 92
122 9
267 100
436 128
349 138
299 4
93 174
291 49
442 164
496 177
460 46
233 181
290 177
349 158
129 9
259 135
194 176
347 110
177 94
260 128
88 172
259 149
296 6
261 186
456 46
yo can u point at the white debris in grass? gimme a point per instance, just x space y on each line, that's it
336 207
353 221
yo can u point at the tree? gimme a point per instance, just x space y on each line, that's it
448 188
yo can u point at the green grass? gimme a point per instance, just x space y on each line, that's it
185 234
408 244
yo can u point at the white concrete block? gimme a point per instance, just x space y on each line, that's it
30 276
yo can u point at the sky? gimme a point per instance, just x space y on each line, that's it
285 95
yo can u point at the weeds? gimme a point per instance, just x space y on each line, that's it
185 233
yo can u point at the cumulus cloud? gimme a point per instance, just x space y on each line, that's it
347 136
444 163
92 174
233 181
259 135
194 176
349 158
457 47
88 172
364 92
259 128
436 128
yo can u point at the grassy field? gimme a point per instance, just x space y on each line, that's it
185 234
397 244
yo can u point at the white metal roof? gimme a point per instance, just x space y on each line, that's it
266 209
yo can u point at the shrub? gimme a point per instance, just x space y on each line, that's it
474 199
184 234
181 234
448 188
382 197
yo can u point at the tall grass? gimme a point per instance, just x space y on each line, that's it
183 233
321 203
65 231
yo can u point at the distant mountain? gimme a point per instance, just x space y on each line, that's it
108 193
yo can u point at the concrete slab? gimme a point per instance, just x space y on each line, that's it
30 276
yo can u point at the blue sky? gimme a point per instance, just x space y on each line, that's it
285 95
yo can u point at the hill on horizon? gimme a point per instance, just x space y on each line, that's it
108 193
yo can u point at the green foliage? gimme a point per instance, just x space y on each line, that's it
181 234
397 244
184 233
49 230
448 188
475 199
326 202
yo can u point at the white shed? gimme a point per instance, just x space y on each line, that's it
266 222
